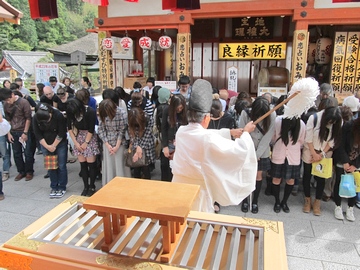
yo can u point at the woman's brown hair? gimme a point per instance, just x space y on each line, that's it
176 101
136 122
107 108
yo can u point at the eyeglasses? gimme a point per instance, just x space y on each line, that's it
43 107
61 94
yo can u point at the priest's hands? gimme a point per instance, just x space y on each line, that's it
250 127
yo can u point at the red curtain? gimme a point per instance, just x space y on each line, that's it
180 4
43 9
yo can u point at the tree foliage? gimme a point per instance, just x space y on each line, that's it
75 17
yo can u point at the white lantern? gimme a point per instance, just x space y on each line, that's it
126 43
165 42
323 51
145 43
311 53
108 43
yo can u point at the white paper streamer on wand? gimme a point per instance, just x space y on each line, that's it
302 97
308 90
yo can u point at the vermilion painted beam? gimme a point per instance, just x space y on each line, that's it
245 6
328 14
160 21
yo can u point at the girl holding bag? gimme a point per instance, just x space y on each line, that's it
323 131
49 126
347 160
141 139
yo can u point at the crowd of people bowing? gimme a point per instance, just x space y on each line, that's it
71 125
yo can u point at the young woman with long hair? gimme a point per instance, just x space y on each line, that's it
142 139
112 126
261 137
347 160
323 131
287 141
49 127
173 117
81 127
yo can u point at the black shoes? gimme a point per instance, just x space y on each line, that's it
216 207
85 192
90 192
277 208
245 207
254 208
285 207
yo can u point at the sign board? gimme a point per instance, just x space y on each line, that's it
274 91
256 50
299 55
44 70
232 76
171 85
253 28
78 57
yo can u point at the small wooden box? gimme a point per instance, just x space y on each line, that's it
129 82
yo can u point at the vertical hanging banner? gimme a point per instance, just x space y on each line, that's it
232 78
105 64
357 72
351 57
299 57
336 78
183 54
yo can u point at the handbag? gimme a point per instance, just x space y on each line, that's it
322 168
51 162
128 155
347 186
357 180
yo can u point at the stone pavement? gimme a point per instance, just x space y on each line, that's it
321 243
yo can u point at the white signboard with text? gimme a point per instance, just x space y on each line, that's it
44 70
171 85
274 91
232 78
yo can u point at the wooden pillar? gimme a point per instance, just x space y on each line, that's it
183 50
299 51
106 66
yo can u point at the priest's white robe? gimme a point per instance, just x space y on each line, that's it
224 169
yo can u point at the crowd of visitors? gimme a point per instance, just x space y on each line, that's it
67 123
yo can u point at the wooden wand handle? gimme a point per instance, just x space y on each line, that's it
275 108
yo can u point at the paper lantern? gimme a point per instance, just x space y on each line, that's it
323 51
311 53
145 43
165 42
108 43
126 43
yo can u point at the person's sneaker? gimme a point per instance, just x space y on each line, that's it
39 152
46 175
2 197
338 213
60 193
5 177
52 194
350 214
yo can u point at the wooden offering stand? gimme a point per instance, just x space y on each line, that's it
122 198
